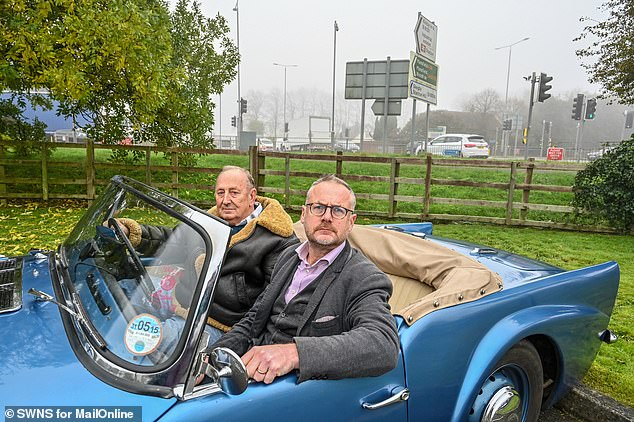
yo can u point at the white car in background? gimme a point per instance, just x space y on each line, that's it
265 144
457 145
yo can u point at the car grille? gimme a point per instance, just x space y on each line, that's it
10 285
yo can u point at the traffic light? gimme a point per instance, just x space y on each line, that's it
629 119
591 108
507 124
243 106
233 121
577 107
543 87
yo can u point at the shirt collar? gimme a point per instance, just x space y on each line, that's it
256 212
329 258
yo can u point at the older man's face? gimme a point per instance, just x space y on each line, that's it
327 231
234 198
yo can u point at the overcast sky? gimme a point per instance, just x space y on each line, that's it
301 33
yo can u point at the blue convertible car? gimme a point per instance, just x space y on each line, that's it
485 335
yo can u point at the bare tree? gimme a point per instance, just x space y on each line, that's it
485 101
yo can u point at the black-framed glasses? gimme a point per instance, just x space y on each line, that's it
336 211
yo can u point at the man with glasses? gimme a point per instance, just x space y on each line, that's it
325 313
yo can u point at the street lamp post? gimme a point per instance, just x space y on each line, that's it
285 66
508 71
334 61
508 77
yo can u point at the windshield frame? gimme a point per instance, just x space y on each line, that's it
163 378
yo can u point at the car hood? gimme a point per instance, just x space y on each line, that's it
37 364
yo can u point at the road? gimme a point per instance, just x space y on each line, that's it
556 415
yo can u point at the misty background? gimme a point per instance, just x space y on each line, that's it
472 73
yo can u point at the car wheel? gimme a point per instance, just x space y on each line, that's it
513 391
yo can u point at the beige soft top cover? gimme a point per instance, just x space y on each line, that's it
426 276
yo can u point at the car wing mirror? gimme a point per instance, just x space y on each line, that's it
227 370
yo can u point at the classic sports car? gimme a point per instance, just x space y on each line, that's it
485 335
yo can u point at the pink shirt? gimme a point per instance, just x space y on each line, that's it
306 273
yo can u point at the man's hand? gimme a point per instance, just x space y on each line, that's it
265 363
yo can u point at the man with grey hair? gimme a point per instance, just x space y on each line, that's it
260 231
325 313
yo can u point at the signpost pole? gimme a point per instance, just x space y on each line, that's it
365 75
413 144
426 126
387 103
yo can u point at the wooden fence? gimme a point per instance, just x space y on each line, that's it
264 166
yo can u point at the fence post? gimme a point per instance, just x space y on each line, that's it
256 162
527 191
148 173
3 186
90 170
395 168
427 194
287 181
339 164
509 202
44 171
174 174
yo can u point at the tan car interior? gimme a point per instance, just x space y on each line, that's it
426 276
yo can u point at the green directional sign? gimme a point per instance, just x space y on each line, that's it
424 71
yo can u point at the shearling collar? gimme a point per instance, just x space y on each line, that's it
273 218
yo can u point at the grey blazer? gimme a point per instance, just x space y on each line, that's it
347 329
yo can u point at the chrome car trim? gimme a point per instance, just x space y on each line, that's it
505 405
399 396
10 285
607 336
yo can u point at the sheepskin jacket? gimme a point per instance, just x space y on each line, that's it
248 264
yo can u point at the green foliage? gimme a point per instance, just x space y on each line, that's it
605 188
127 66
14 127
205 59
612 52
105 60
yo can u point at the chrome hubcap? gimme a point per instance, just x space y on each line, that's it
505 405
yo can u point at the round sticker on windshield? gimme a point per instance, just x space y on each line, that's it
143 334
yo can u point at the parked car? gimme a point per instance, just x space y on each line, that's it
484 334
594 155
458 145
265 144
350 147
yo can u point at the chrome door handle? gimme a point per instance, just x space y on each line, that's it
401 395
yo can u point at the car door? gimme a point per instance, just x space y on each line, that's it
284 399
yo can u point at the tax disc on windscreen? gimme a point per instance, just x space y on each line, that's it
143 334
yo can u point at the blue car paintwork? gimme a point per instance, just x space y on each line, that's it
444 360
38 366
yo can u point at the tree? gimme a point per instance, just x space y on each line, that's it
204 59
106 60
612 51
605 188
14 127
485 101
123 64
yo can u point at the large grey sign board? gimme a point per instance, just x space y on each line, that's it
377 80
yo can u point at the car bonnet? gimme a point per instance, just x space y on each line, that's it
38 365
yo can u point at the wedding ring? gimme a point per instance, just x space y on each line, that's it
260 372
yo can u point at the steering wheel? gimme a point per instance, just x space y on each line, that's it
144 279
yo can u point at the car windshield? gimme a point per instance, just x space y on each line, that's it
134 262
476 138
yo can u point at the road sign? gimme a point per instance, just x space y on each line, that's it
423 70
426 34
555 154
422 92
423 79
393 109
376 80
